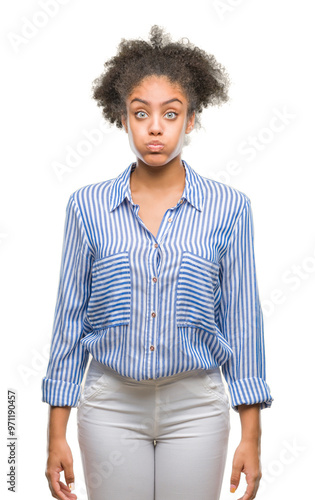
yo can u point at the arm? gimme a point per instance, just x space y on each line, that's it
250 422
240 320
68 359
57 423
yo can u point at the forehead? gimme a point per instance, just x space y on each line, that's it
157 87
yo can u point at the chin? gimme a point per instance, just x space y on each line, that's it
155 158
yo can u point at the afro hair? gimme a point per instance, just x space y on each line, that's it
203 80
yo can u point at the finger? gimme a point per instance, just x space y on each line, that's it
52 490
250 491
57 492
68 471
67 491
235 479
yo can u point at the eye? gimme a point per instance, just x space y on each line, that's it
137 113
172 113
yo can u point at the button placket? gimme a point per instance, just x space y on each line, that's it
152 304
167 220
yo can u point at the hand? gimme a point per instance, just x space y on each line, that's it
247 460
60 458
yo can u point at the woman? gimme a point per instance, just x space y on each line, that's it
158 284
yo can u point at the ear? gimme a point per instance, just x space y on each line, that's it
124 122
190 123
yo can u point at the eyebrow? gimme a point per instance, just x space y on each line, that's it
147 102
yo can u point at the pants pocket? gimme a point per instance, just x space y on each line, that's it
214 385
96 380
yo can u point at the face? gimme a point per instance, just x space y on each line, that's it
157 113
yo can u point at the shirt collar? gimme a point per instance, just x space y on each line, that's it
193 191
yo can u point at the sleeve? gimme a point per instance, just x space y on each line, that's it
68 358
240 317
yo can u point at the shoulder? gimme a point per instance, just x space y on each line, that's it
226 197
90 195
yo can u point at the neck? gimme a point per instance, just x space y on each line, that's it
158 178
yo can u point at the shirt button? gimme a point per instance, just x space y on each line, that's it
154 279
151 347
181 201
153 315
156 245
170 219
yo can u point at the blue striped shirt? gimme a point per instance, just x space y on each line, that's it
153 307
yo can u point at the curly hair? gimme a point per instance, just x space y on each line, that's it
203 80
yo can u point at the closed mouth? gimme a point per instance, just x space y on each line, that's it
155 147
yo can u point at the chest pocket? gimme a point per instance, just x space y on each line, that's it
110 298
198 279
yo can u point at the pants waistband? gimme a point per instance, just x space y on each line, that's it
158 381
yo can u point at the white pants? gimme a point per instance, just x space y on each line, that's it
163 439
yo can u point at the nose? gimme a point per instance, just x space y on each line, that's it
155 125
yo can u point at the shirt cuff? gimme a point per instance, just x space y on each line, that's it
60 393
250 391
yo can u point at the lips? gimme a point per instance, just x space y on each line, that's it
155 146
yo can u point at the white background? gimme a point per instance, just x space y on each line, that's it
46 107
